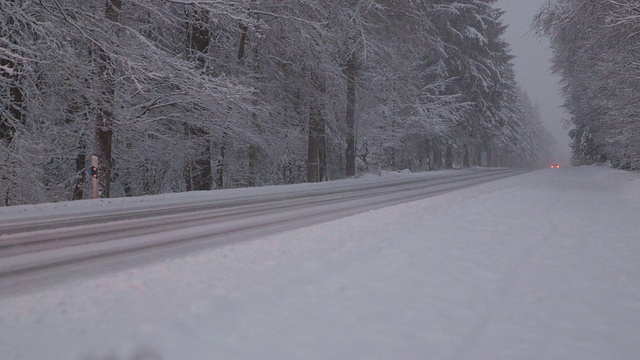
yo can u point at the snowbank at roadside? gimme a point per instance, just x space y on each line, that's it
626 182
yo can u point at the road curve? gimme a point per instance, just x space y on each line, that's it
43 251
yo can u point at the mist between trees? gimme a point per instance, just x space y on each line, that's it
596 45
181 95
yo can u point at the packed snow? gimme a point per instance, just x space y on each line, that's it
539 266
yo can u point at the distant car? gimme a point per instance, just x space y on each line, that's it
555 166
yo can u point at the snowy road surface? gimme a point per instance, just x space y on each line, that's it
38 251
539 266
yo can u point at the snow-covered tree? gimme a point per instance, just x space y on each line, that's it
191 95
596 48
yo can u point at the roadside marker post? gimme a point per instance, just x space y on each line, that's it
93 171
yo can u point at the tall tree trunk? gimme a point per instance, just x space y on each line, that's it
81 160
313 149
220 164
252 180
104 118
16 112
350 73
16 97
448 157
7 195
253 148
426 155
203 164
318 121
74 111
490 153
243 40
252 152
188 175
104 136
437 158
465 156
322 149
198 171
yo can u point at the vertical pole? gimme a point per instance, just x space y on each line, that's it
94 177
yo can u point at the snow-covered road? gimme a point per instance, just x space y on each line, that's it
538 266
39 250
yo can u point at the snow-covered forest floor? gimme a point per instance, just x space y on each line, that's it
538 266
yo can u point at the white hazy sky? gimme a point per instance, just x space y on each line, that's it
532 64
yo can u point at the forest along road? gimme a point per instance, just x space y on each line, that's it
40 251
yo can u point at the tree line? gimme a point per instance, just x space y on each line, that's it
181 95
596 45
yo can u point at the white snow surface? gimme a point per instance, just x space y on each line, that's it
539 266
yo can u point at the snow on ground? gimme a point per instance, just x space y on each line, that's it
26 212
539 266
